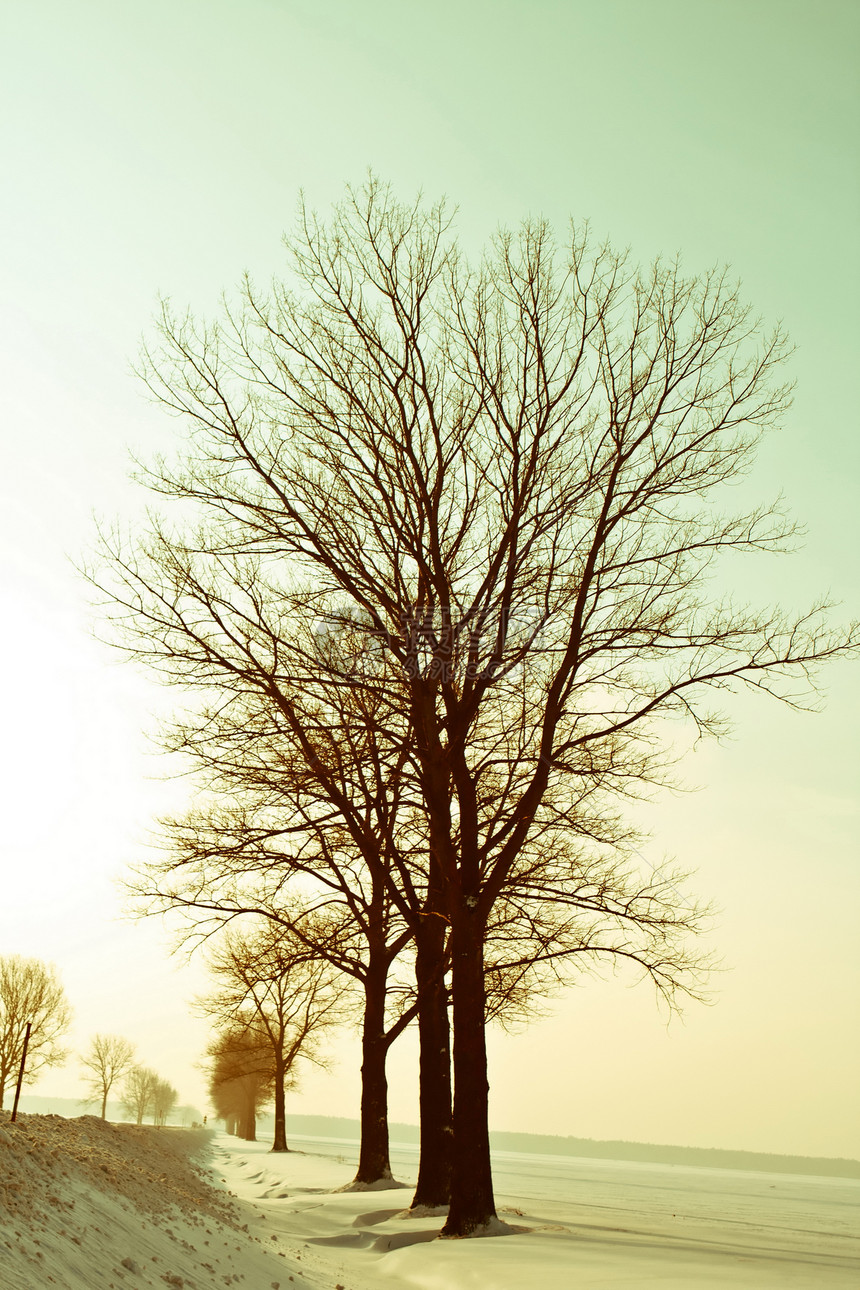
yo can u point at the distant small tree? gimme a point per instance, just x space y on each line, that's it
139 1091
164 1099
30 991
108 1058
270 982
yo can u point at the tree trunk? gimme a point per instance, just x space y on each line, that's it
248 1126
280 1142
434 1171
472 1202
104 1104
373 1161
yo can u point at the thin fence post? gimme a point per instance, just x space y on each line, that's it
21 1072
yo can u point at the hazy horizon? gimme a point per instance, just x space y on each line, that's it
302 1126
160 149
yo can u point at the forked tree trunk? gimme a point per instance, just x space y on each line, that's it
280 1142
373 1162
472 1202
434 1171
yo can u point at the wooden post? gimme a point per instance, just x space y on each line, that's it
21 1072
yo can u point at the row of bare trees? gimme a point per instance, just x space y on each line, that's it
435 575
146 1093
31 995
111 1059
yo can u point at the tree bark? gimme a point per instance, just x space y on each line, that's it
248 1127
434 1171
104 1104
472 1202
374 1163
280 1142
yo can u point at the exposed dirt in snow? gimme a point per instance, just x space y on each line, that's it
152 1168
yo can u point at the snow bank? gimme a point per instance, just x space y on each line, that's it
88 1205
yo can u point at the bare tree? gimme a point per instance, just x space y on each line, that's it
30 992
227 863
513 477
139 1091
268 981
108 1059
163 1100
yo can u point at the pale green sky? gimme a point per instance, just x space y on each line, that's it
160 147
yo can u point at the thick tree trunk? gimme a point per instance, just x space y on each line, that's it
280 1142
434 1172
472 1202
373 1162
248 1126
104 1105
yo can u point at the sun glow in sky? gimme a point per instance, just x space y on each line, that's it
160 148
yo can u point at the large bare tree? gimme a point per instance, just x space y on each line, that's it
515 477
30 993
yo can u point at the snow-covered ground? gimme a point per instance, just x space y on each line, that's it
88 1205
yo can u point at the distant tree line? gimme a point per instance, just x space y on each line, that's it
31 995
146 1093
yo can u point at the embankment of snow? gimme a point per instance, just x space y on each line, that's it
85 1203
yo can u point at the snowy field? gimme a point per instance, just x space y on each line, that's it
92 1206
